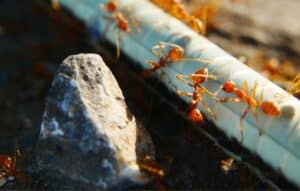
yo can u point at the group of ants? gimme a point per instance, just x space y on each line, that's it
167 54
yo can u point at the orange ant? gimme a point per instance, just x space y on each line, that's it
152 168
55 5
197 78
174 54
197 25
166 4
242 95
178 10
122 22
206 14
8 167
228 165
295 90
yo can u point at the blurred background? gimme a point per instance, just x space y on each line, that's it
36 35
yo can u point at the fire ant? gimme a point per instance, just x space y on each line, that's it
152 168
118 16
243 96
8 169
178 10
175 54
228 165
206 13
295 90
55 5
197 78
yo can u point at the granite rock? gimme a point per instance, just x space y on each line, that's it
87 134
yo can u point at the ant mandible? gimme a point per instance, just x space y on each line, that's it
174 54
268 107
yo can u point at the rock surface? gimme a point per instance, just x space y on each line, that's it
88 135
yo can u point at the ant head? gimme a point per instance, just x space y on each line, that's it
175 53
122 22
201 76
111 6
229 86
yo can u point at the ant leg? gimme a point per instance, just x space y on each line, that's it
229 99
117 39
161 52
261 97
245 87
256 120
253 91
216 93
211 94
183 80
213 73
14 160
151 62
155 52
147 73
202 60
210 76
164 44
241 122
179 92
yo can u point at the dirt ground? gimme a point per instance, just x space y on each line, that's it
34 39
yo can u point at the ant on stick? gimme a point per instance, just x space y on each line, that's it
178 10
197 78
174 54
123 23
243 96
